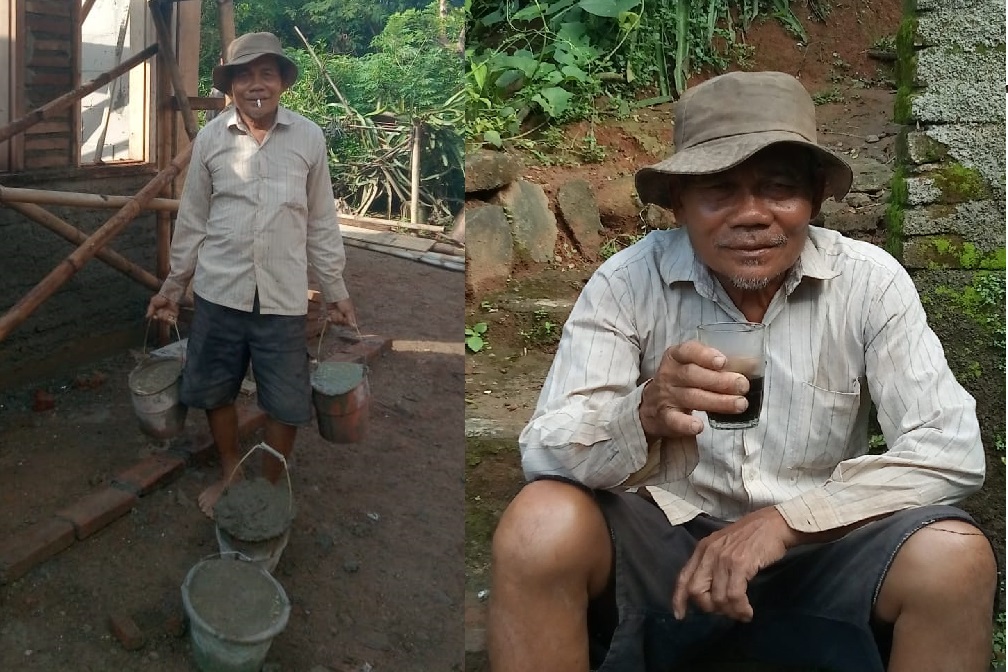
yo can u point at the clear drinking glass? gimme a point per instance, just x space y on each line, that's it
744 345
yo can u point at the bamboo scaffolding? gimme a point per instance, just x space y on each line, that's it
66 269
226 26
68 99
74 235
78 199
167 54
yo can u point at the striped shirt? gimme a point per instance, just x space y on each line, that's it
256 216
847 327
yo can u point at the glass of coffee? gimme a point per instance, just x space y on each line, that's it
744 345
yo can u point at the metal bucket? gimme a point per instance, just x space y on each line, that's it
154 388
262 549
341 396
342 399
235 609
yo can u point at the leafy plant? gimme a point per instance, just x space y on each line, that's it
619 242
475 336
543 332
830 95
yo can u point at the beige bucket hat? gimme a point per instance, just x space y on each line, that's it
248 48
725 120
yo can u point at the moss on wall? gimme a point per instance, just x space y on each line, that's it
958 183
894 213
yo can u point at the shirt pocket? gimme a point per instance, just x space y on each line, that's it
821 426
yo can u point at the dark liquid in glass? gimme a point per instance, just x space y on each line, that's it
755 399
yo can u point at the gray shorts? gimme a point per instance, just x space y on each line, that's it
222 342
813 608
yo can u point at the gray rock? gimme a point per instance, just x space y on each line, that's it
850 221
533 224
351 566
870 176
489 248
871 139
858 199
486 170
658 218
580 211
617 199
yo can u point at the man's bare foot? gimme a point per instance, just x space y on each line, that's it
208 498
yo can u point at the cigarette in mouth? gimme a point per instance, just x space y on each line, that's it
258 103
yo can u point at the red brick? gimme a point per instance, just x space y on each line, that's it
32 546
154 470
199 448
370 348
97 510
126 631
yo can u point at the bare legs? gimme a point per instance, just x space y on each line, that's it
551 554
939 593
224 429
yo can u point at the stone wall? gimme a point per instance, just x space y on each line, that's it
946 217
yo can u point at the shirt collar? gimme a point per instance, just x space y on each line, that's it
284 117
679 263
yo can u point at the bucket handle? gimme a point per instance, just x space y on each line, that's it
318 354
277 454
178 337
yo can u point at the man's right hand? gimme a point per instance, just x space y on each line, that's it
163 309
690 377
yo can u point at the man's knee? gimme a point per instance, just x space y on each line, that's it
552 528
948 560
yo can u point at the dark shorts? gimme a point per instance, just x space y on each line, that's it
222 342
813 608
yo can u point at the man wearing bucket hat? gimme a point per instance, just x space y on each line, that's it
647 539
257 211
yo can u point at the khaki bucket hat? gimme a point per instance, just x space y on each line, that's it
725 120
248 48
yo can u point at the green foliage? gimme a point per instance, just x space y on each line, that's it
998 648
619 242
830 95
543 332
475 338
549 60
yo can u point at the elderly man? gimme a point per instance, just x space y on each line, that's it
647 539
256 212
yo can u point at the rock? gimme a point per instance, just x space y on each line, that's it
351 566
871 139
376 640
849 221
870 176
124 629
617 200
580 211
857 199
490 249
656 217
533 225
43 401
486 170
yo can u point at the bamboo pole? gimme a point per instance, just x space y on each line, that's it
75 235
86 9
78 199
35 297
450 262
226 26
415 177
68 99
167 54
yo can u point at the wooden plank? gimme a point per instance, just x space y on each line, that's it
52 25
386 238
61 80
52 45
33 161
41 60
50 7
45 143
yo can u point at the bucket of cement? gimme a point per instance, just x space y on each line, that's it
235 609
253 517
341 397
154 388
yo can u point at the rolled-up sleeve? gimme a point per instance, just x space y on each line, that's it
190 224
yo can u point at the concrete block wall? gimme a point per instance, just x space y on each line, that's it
946 217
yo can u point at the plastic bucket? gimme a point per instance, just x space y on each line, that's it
342 399
154 389
235 609
254 522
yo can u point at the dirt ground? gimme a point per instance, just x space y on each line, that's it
855 96
374 564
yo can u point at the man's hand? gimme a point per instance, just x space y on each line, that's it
690 377
342 312
717 575
163 309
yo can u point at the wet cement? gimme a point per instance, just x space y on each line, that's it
154 375
235 598
332 378
254 510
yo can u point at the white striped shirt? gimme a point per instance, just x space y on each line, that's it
847 323
256 216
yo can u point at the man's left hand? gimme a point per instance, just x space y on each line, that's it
717 575
342 312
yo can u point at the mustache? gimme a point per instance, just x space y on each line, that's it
751 242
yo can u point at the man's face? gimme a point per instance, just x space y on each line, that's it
259 80
749 224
